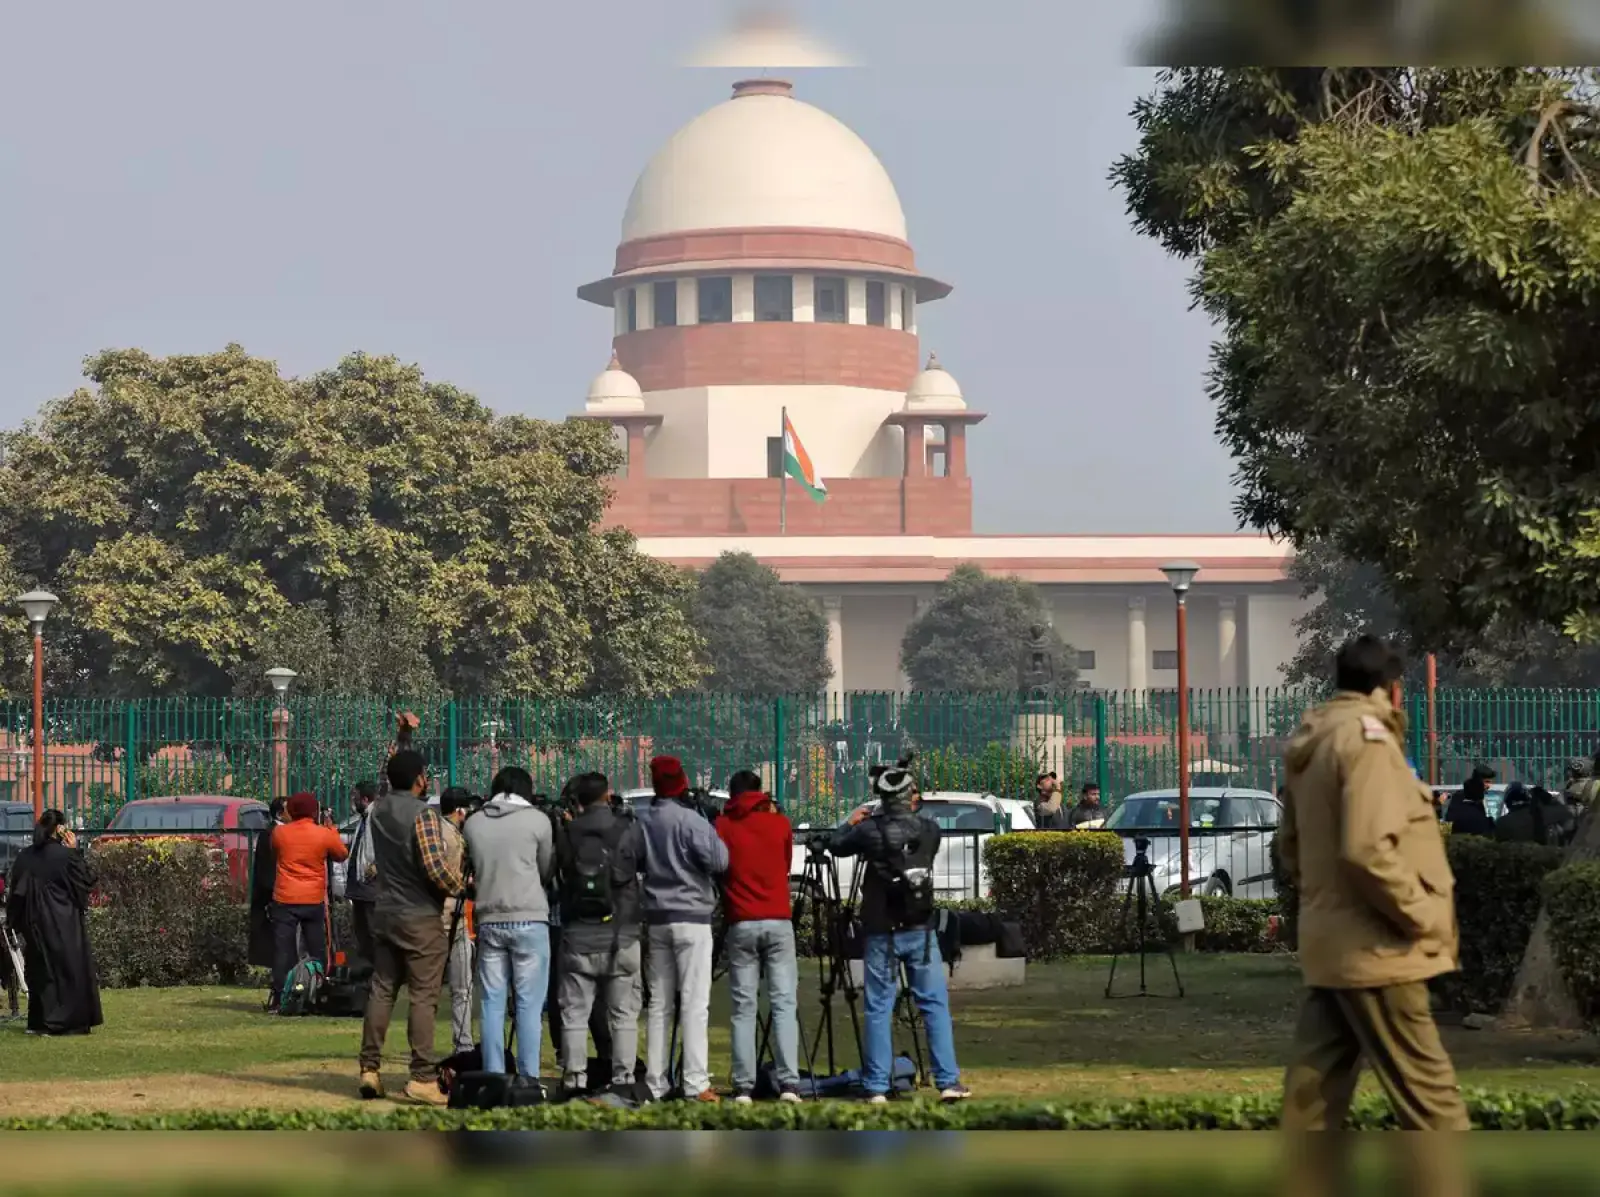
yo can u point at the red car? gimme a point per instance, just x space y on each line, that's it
229 823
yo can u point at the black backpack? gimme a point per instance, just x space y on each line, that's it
591 874
908 890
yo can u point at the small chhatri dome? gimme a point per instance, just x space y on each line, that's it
614 390
934 389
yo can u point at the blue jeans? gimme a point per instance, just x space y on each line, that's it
753 947
881 960
514 955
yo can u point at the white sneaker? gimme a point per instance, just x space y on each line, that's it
878 1099
790 1097
743 1099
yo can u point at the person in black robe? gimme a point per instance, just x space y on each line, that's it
47 902
262 951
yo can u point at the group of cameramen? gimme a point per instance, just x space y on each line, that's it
594 908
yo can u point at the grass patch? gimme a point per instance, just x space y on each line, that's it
1055 1039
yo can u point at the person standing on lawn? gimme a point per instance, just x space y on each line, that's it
361 873
760 937
415 879
47 904
1361 846
683 859
512 848
302 847
454 803
897 845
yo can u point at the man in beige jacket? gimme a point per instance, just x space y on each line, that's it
1362 845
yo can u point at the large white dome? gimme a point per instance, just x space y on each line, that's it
764 160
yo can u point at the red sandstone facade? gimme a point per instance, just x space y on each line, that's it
750 507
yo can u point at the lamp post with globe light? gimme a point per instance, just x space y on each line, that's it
1180 576
281 679
37 605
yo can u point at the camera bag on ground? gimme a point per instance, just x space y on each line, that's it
302 989
344 992
844 1085
469 1087
1010 945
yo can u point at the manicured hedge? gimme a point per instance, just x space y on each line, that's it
163 913
1058 885
1573 894
1578 1109
1498 889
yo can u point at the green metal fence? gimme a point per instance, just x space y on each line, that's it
814 752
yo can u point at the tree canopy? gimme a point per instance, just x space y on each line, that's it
1354 598
761 636
975 635
1403 266
204 518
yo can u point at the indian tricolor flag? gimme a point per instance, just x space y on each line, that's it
797 463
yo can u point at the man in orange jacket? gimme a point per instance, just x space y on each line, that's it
303 847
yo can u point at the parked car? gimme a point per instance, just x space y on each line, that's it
1230 841
16 833
228 823
967 819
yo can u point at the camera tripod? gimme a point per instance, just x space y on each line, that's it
1141 888
832 921
12 969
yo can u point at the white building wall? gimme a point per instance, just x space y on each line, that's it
721 432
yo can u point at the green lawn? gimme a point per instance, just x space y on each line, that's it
1057 1036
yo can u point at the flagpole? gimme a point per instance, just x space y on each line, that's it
783 473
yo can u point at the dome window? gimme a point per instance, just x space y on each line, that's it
877 303
774 298
831 301
716 300
666 303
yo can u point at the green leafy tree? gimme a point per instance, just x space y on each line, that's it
1402 265
761 635
975 636
204 518
1242 32
1353 598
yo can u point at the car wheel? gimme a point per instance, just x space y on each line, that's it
1217 887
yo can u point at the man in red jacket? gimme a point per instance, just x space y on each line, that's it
760 937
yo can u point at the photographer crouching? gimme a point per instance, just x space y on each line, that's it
898 845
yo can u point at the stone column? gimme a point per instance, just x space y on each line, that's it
833 607
955 450
1228 643
918 608
1138 651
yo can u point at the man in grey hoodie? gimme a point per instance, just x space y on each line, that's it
683 856
511 846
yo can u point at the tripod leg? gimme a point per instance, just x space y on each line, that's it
1122 933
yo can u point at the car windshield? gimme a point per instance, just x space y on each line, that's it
1154 814
179 816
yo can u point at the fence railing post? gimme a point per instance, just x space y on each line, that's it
452 741
779 766
1102 766
130 752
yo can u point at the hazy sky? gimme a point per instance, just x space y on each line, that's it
433 180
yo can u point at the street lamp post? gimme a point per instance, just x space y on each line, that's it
1180 576
280 679
37 605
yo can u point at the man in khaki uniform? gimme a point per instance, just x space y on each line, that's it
1362 845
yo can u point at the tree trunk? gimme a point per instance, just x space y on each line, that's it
1540 998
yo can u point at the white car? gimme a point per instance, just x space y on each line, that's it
968 820
1230 839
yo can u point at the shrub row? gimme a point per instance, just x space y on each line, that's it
1573 897
1575 1110
164 913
